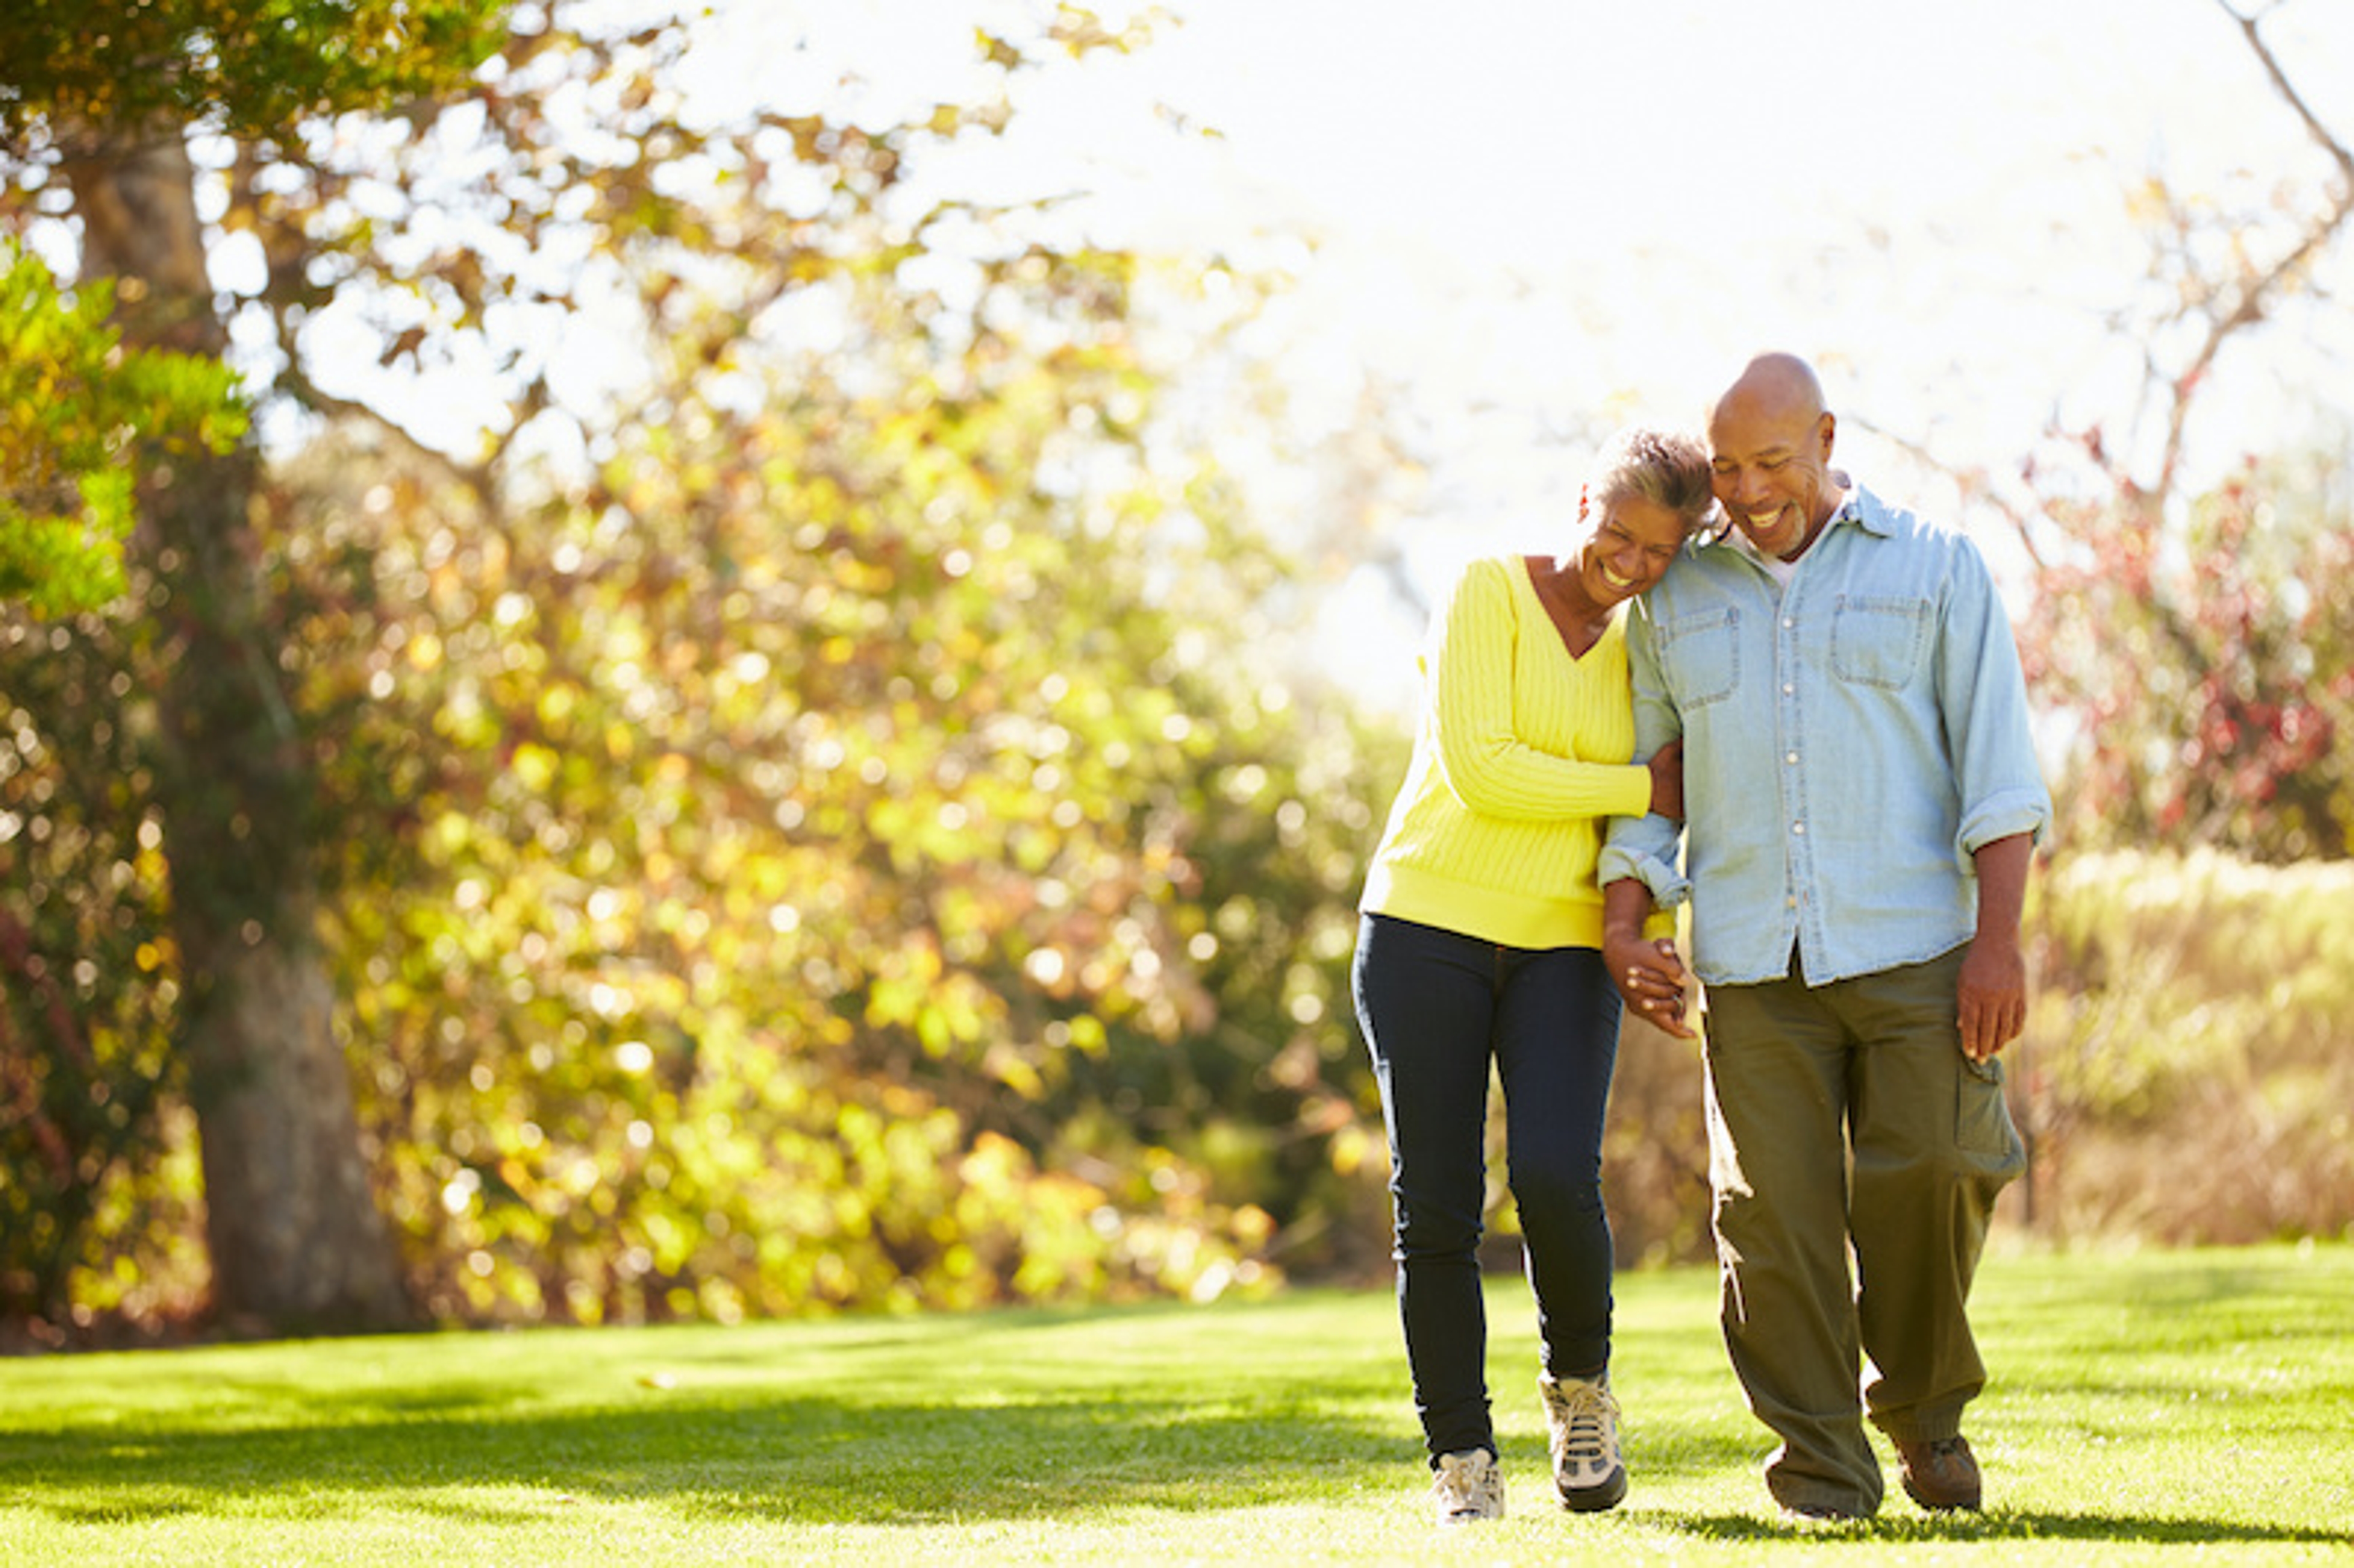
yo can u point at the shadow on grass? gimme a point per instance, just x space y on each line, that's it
835 1456
832 1461
2003 1525
802 1460
1010 1418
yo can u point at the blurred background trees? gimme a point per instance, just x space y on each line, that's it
2193 630
103 108
799 803
797 825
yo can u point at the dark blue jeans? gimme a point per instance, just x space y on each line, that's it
1437 1008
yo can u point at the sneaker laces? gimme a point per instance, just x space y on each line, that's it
1469 1486
1585 1417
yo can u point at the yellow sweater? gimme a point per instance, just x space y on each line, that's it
1522 754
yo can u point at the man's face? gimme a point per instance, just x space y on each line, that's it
1771 454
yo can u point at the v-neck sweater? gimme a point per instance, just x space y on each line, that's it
1522 754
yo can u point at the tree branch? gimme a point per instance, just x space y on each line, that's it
2248 307
2250 27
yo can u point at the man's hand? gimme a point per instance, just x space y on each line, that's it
1993 996
1651 977
1992 1003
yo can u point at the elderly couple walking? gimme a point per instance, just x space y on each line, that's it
1838 775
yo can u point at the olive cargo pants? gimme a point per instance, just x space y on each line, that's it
1846 1115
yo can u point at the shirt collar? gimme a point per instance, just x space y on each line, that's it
1849 510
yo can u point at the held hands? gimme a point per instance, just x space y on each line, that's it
1667 766
1651 977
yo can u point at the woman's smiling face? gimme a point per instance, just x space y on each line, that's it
1633 543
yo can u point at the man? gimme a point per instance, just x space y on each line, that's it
1861 802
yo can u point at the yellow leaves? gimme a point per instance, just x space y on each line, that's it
535 766
857 575
451 832
995 1160
943 1010
515 1175
1355 1148
1009 1068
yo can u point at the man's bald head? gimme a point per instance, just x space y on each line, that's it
1782 382
1769 441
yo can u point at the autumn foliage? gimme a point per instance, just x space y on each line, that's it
789 835
2205 672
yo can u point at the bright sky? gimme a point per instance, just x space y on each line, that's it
1523 219
1530 214
1647 190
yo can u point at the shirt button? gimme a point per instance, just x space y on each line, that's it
1787 690
1790 904
1792 758
1797 827
1788 623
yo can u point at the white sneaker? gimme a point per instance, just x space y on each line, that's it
1468 1487
1584 1419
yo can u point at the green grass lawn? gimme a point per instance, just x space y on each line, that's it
2159 1407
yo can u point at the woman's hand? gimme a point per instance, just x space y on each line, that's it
1667 766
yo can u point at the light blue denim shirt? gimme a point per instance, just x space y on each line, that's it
1850 742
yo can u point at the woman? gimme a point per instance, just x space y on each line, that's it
1481 940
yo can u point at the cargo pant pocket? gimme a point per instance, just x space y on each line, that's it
1984 1126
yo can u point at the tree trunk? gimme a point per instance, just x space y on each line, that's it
296 1240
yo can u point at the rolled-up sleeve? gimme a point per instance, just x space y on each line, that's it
1989 730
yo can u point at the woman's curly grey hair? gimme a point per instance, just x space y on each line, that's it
1666 468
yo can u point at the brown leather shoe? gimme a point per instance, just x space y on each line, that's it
1940 1474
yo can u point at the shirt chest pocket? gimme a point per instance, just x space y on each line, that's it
1879 641
1699 655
